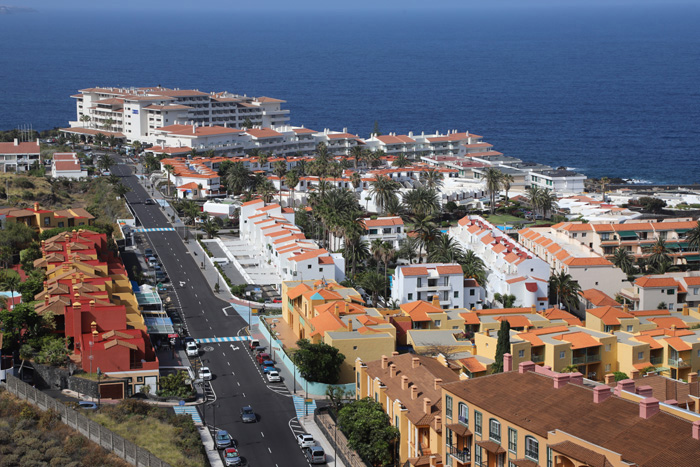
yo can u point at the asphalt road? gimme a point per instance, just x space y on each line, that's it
237 379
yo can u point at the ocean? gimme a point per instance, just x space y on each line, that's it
606 91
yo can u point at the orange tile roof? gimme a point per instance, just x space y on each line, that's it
594 261
486 239
382 221
309 255
262 132
667 322
498 248
598 298
647 281
678 343
653 343
470 318
579 340
324 293
515 321
472 364
414 271
255 201
450 269
557 313
325 322
297 291
609 315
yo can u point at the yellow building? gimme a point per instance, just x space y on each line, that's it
525 419
42 219
409 389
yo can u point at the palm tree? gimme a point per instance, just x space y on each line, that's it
238 178
506 300
493 185
292 180
432 178
85 119
169 169
548 202
356 180
190 210
605 181
506 182
425 230
382 188
693 237
394 207
106 162
266 190
474 267
100 139
569 369
623 260
10 280
108 124
445 249
279 168
262 158
401 161
376 248
113 179
121 190
387 254
74 139
565 290
421 201
373 158
658 254
374 283
210 227
356 152
111 141
137 147
408 249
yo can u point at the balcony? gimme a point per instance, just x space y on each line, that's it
537 358
581 359
678 363
433 288
462 456
656 360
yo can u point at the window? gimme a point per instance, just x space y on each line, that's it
410 296
438 322
471 291
608 347
463 414
640 355
477 455
521 353
668 292
358 381
607 367
562 354
629 328
477 422
512 440
532 448
495 430
47 221
550 462
61 224
308 267
396 421
418 283
376 397
448 407
456 294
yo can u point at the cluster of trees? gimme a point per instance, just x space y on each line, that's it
369 431
318 362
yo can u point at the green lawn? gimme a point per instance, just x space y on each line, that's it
500 219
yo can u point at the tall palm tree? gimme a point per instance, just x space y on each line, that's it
10 280
111 141
121 190
506 183
493 185
291 179
432 178
356 152
445 249
377 248
85 119
266 190
408 249
623 260
373 158
169 169
474 267
401 161
565 290
374 283
605 181
396 208
262 158
100 139
548 202
387 254
108 124
425 230
279 168
356 180
421 201
191 211
693 237
210 227
238 178
658 254
382 188
106 162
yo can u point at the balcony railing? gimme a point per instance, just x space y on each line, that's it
537 358
462 455
678 363
656 360
585 359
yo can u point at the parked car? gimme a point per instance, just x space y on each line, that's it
192 349
315 455
261 357
148 252
152 263
222 439
151 259
247 415
276 300
305 440
149 201
162 277
267 366
231 457
273 376
157 268
189 339
254 344
87 405
205 373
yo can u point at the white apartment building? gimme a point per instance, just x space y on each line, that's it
191 175
67 165
135 112
386 229
19 156
425 281
513 269
271 234
672 290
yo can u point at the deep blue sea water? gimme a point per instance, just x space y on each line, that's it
608 91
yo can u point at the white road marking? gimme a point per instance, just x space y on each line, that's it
270 451
263 434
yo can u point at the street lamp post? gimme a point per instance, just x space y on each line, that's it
99 394
249 308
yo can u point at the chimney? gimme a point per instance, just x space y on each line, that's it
426 405
16 142
645 391
692 377
624 385
436 301
524 367
438 423
576 378
437 383
648 407
404 382
46 299
392 370
415 362
507 362
625 308
533 309
634 374
385 362
337 309
414 392
561 380
350 324
394 353
685 309
673 328
601 394
696 429
609 378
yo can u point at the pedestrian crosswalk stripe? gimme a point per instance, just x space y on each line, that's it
215 340
188 410
155 229
303 409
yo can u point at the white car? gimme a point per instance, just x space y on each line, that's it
192 349
305 440
205 373
273 376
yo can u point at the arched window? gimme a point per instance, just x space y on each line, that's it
532 448
463 414
495 430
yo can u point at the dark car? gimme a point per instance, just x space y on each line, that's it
149 201
148 252
247 415
222 439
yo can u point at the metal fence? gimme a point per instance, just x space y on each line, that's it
92 430
337 439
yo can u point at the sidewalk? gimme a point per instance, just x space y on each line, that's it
311 428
